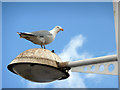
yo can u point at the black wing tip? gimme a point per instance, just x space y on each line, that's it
24 34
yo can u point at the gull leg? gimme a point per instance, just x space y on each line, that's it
41 46
44 47
43 43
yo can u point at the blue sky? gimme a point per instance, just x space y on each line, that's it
91 25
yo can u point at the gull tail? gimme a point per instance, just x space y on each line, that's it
25 35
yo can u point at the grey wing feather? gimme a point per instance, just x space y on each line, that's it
38 37
41 33
46 35
29 37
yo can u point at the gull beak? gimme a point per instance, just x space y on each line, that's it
62 29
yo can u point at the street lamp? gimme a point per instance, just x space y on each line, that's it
41 65
38 65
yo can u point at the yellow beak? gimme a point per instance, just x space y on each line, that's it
62 29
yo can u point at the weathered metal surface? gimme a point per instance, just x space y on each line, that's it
39 53
38 65
39 56
63 64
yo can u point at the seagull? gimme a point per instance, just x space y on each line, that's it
42 37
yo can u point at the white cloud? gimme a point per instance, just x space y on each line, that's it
90 76
69 53
97 78
74 81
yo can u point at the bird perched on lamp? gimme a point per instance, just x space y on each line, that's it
42 37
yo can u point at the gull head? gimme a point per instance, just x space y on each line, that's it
59 28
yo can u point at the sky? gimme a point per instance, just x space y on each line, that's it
88 32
